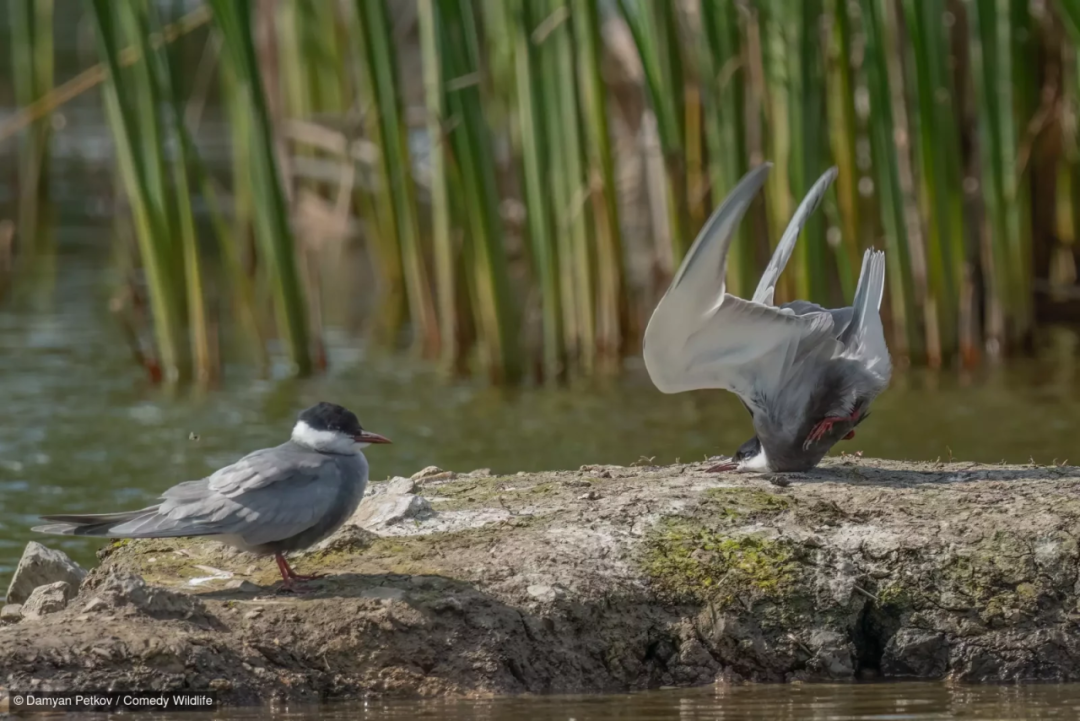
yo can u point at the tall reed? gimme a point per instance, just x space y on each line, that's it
655 29
397 195
471 176
31 23
233 19
724 77
137 128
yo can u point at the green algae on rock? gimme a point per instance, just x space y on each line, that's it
606 579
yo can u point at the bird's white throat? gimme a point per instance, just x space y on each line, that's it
756 463
325 441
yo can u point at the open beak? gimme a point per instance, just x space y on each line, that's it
369 437
722 467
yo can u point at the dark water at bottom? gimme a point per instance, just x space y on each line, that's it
818 702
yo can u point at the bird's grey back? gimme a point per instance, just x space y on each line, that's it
275 499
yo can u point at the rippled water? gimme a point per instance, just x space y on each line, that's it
801 702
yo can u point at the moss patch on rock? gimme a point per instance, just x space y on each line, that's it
688 562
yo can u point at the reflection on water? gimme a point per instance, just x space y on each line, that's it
81 430
799 702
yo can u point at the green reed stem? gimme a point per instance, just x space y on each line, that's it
232 18
938 144
724 72
611 299
470 137
536 158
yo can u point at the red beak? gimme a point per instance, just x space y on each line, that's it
722 467
369 437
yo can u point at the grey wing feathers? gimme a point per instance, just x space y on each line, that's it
698 287
700 279
868 294
766 287
748 344
701 337
89 524
262 497
864 337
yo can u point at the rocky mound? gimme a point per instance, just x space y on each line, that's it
602 579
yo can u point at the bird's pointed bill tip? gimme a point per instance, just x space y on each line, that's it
369 437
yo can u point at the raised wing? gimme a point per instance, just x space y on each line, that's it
767 285
749 348
701 337
864 337
263 497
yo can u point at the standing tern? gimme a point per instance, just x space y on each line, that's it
807 374
269 502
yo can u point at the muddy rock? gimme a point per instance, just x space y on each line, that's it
40 566
11 613
433 473
126 591
388 509
48 599
914 653
603 579
402 485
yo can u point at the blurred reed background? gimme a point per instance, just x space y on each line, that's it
525 175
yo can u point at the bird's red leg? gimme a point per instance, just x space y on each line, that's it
289 576
825 425
850 435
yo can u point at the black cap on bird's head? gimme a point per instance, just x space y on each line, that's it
332 418
749 457
747 450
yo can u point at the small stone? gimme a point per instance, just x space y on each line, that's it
780 480
386 510
450 604
480 473
589 496
401 485
94 605
11 613
40 566
253 613
350 538
427 473
383 593
47 599
242 586
542 593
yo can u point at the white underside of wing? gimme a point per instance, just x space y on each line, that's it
741 346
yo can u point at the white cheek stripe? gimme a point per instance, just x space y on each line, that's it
305 435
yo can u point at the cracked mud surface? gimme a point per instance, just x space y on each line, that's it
607 579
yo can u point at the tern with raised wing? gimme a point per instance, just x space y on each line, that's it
807 374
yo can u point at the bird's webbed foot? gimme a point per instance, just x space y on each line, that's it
825 425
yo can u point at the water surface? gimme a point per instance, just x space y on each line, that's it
799 702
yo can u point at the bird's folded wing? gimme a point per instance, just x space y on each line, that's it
742 346
259 498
